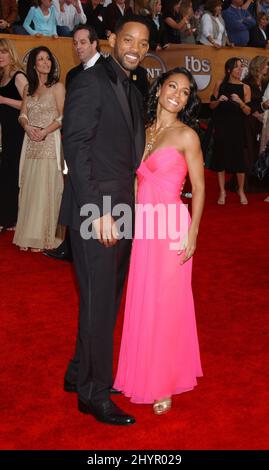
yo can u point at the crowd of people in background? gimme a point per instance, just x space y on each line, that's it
210 22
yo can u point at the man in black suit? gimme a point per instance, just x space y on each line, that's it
86 45
258 36
104 140
114 12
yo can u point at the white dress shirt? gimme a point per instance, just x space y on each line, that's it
70 17
206 28
92 61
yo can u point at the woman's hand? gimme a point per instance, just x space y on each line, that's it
2 99
265 105
258 116
237 99
223 98
42 134
33 133
188 247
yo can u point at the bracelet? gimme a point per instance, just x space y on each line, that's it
59 119
263 108
22 115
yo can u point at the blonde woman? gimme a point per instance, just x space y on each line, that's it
12 83
158 39
189 31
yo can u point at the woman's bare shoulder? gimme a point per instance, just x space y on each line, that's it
185 138
185 131
58 87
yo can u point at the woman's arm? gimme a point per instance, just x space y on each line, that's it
59 93
207 29
54 21
31 131
173 24
28 20
246 4
214 103
20 83
194 159
247 97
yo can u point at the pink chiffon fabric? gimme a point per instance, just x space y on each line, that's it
159 354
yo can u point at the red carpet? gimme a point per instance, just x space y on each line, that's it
229 409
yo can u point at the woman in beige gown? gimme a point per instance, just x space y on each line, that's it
41 177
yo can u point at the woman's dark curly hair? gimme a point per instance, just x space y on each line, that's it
189 114
31 71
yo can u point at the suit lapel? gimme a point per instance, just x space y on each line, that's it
120 95
139 132
122 99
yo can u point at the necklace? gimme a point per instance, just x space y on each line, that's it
154 134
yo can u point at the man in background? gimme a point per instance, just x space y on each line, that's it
86 45
8 15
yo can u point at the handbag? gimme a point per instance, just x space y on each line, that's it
261 167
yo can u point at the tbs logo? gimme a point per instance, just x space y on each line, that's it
200 70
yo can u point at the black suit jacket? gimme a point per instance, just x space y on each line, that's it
72 73
139 77
102 147
256 38
96 18
157 36
113 14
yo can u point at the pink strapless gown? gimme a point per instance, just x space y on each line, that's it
159 354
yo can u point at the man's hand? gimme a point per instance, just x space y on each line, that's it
106 230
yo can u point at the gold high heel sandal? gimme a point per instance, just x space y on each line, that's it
162 406
221 199
243 198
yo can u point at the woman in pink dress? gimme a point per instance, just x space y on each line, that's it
159 355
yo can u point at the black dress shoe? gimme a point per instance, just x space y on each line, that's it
58 254
113 391
106 412
72 387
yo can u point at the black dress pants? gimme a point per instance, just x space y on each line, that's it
101 273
